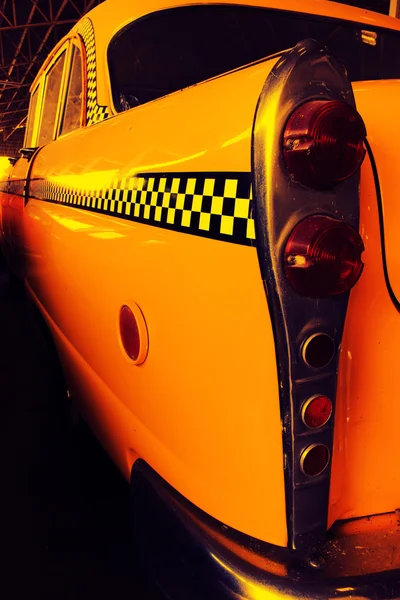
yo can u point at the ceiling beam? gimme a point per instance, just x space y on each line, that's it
42 13
43 24
3 16
89 5
10 126
11 112
21 103
79 11
20 124
7 39
45 38
24 33
13 84
24 63
20 55
10 122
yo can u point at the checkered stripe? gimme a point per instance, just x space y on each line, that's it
94 112
214 205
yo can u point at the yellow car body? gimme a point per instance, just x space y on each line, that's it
113 214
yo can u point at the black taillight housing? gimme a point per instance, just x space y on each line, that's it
323 143
309 143
322 257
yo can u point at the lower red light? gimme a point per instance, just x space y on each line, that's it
323 257
314 460
317 411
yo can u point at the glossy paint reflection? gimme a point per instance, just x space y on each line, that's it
84 266
250 589
365 478
225 565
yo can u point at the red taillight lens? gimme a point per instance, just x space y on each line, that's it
317 411
314 460
323 257
323 143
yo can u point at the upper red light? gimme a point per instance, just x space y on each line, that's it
323 143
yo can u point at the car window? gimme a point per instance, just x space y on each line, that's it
50 102
73 108
175 48
31 118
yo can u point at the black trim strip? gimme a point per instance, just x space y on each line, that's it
216 205
95 113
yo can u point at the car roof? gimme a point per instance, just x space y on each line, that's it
112 15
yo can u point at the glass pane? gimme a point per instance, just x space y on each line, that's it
53 85
169 51
73 109
31 118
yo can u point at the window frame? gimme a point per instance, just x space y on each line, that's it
37 89
74 41
40 84
44 81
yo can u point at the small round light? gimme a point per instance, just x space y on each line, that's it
133 333
314 460
318 350
129 332
322 257
316 411
323 143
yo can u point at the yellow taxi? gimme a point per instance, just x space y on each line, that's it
205 212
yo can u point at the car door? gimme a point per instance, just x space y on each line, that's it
12 198
98 244
43 127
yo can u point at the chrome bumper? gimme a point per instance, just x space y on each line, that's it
194 557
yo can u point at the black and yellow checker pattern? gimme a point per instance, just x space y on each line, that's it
94 111
213 205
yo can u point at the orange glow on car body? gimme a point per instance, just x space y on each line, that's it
136 223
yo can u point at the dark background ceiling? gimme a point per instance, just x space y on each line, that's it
29 29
